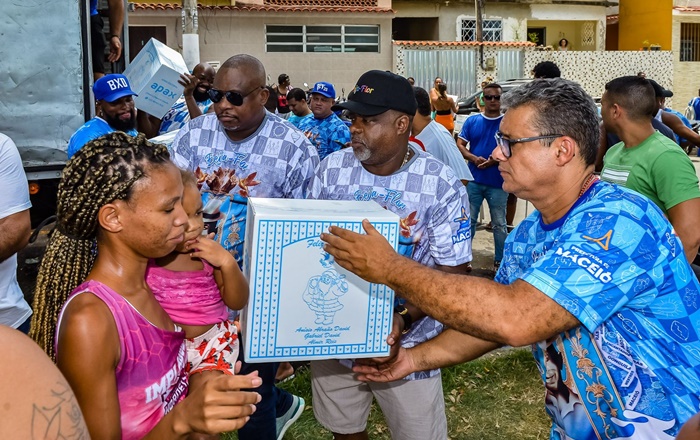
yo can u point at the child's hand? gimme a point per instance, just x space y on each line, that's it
208 249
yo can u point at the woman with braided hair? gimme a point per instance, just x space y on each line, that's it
119 204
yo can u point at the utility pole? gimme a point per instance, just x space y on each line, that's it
478 7
190 38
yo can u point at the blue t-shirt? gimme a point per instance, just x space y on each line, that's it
695 103
434 210
93 7
327 135
633 365
276 161
296 120
480 132
91 130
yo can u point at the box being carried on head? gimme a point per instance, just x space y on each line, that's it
153 75
302 304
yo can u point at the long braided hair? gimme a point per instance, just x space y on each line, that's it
104 170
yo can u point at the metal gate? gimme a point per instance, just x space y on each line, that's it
456 67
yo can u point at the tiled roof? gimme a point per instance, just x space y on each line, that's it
465 43
268 7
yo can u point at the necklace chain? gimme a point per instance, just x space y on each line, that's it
405 159
590 180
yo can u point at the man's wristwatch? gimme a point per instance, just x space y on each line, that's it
407 320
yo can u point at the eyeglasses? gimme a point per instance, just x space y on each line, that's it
235 98
505 144
492 97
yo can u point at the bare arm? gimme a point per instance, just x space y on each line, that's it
14 233
454 105
674 123
516 314
35 398
116 23
232 284
190 82
462 147
147 124
684 217
691 429
448 348
91 373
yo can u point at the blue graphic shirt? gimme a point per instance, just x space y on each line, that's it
328 134
632 368
91 130
178 115
276 161
433 206
480 132
296 120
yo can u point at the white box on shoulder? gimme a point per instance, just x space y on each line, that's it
153 75
302 304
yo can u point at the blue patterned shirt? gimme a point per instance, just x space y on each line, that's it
327 135
632 368
434 210
178 115
276 161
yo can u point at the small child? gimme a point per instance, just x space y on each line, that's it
195 284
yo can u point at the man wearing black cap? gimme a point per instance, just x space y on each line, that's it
685 136
115 112
435 231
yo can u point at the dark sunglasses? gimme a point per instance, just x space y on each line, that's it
235 98
506 144
492 97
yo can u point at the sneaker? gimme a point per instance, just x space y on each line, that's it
287 419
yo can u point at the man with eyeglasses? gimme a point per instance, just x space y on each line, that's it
478 133
595 274
325 130
239 151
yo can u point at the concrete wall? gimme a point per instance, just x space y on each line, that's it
645 20
223 34
516 17
687 73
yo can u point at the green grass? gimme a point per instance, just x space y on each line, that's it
499 396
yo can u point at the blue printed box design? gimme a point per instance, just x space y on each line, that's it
302 304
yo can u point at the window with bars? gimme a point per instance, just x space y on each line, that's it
492 30
321 38
690 42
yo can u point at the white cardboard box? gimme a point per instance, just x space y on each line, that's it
153 75
302 304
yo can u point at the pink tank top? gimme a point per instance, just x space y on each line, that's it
191 297
151 376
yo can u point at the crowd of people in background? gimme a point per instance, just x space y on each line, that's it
137 296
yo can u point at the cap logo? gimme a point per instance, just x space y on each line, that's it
321 87
117 83
363 89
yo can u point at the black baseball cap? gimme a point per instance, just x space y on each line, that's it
660 91
378 91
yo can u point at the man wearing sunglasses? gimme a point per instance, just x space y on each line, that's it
325 130
239 151
596 274
478 133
